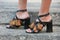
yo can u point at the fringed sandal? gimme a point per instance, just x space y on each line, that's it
16 22
38 25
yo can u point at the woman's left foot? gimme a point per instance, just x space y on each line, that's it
40 23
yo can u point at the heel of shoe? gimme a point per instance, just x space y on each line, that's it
49 27
27 23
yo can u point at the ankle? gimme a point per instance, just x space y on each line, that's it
22 15
46 19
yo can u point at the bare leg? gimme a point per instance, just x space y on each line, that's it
22 4
45 9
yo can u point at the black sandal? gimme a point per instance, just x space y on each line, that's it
39 25
16 23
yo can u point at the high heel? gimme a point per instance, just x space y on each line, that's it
38 25
16 22
27 23
49 27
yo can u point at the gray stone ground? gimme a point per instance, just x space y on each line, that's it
20 34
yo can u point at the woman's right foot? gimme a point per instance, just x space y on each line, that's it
24 18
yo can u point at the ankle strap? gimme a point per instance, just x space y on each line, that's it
22 10
44 15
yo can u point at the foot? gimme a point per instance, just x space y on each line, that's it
21 14
43 19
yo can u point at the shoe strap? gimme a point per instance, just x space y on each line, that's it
43 15
22 10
